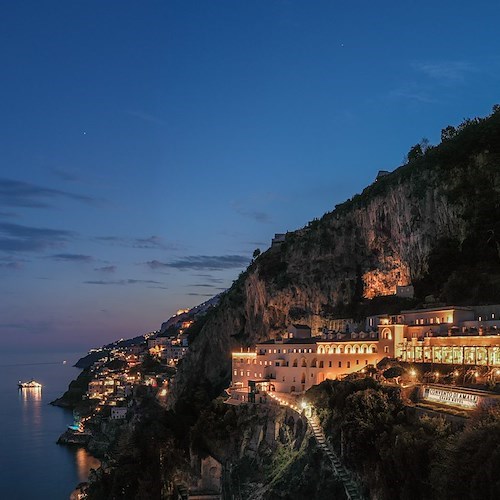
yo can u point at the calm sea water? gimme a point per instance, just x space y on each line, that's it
32 465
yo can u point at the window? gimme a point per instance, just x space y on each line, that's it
366 361
283 379
329 364
357 361
236 372
321 364
386 349
348 364
255 374
248 374
340 364
241 373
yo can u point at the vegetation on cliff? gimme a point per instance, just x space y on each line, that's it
434 222
401 455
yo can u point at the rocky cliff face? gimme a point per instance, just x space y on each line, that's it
266 451
387 236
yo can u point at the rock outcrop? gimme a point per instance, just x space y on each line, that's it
389 235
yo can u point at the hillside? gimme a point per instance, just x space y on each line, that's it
434 222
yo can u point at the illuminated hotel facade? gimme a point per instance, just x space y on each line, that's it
453 335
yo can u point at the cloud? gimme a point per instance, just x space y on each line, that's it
64 175
203 262
153 242
210 278
121 282
256 215
25 194
106 269
204 285
194 294
71 257
11 265
18 238
412 94
445 71
147 117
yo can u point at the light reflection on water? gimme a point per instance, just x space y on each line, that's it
31 427
85 462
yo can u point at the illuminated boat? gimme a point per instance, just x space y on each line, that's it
32 384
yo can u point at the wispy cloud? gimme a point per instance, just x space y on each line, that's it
71 257
194 294
106 269
152 242
257 215
64 175
445 71
203 262
412 93
209 278
18 238
25 194
147 117
11 265
202 285
121 282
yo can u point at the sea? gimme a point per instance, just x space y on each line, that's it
32 465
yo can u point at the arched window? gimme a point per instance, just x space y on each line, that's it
303 379
321 364
320 350
304 362
313 363
295 362
386 334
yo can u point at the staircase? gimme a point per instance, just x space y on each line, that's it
351 488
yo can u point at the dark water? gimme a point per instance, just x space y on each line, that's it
31 464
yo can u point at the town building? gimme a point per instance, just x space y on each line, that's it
296 362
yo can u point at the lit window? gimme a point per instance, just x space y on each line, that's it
236 372
255 375
241 373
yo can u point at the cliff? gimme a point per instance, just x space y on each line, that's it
434 222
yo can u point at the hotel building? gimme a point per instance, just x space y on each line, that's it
293 364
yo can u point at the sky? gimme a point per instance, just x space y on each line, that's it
147 148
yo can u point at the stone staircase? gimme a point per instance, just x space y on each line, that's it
351 488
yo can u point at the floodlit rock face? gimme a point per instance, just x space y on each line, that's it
364 248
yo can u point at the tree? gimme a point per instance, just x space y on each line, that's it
415 153
256 253
448 133
394 372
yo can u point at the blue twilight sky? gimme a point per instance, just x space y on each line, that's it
147 148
